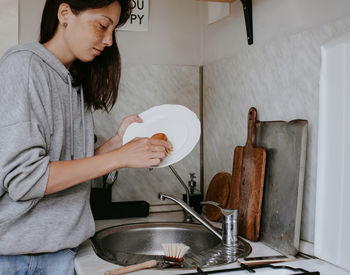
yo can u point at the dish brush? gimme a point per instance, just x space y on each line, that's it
174 253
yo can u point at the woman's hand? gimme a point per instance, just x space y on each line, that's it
142 152
116 141
126 123
138 153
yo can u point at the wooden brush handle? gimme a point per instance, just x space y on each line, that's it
131 268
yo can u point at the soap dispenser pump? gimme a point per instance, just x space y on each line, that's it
195 197
192 183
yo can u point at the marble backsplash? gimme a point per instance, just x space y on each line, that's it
280 79
142 87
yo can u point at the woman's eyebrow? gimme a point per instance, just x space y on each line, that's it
108 19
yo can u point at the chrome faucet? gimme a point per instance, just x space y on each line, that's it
188 218
229 225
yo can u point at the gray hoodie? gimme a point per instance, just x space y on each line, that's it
42 119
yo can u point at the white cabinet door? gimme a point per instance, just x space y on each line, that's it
332 224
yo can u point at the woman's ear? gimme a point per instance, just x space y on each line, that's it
64 13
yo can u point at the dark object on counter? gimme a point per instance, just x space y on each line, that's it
119 210
101 195
286 144
247 185
195 201
102 208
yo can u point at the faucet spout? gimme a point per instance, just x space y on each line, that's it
193 213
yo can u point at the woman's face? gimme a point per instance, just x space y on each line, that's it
90 31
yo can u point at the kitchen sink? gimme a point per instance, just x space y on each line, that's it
135 243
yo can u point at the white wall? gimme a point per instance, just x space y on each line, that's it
272 19
29 20
8 24
173 36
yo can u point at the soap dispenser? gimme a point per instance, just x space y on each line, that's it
196 197
192 183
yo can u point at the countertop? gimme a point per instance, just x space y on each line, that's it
88 263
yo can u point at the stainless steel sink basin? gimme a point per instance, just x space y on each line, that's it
135 243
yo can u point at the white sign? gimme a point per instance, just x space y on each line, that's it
138 20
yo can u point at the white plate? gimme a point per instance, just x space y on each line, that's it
180 124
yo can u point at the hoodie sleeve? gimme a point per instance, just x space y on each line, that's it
24 162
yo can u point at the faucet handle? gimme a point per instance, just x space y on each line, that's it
226 212
229 224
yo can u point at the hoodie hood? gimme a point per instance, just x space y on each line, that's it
46 56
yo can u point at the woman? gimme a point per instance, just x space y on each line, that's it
46 132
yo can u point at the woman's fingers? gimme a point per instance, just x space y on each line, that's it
143 152
154 162
126 123
160 142
156 148
155 144
159 154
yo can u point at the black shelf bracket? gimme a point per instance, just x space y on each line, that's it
248 17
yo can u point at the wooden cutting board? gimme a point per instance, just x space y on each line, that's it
247 183
218 191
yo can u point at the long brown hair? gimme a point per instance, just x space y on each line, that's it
100 78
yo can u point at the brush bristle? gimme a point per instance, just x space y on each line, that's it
175 250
